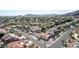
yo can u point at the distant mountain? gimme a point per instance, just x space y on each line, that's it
75 13
32 15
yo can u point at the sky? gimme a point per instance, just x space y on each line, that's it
22 7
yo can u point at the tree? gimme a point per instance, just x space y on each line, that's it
43 29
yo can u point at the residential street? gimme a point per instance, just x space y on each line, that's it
58 43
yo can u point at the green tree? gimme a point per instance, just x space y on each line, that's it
43 29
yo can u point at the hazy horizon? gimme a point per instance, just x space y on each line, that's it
39 12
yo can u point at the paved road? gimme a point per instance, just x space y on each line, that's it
58 43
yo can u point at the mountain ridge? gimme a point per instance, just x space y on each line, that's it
75 13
